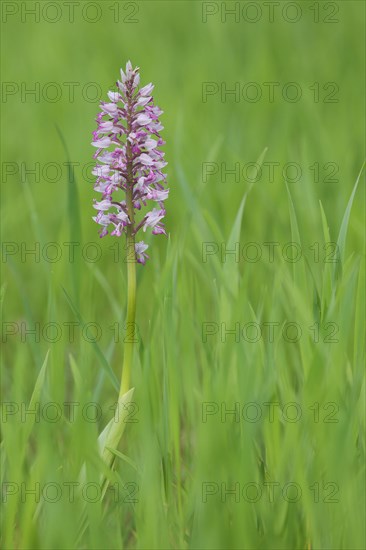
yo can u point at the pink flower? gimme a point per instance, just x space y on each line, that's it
140 248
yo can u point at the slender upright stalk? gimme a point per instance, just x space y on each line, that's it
131 310
131 262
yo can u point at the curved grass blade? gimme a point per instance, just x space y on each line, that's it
341 241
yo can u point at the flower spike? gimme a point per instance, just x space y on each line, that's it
130 162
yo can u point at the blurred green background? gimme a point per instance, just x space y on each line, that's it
180 47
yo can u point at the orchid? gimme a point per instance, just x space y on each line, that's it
129 177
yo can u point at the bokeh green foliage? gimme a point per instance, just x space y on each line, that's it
171 451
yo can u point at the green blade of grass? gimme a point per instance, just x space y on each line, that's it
341 241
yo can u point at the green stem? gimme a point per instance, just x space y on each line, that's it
131 311
131 274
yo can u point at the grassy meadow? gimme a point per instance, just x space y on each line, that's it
247 427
